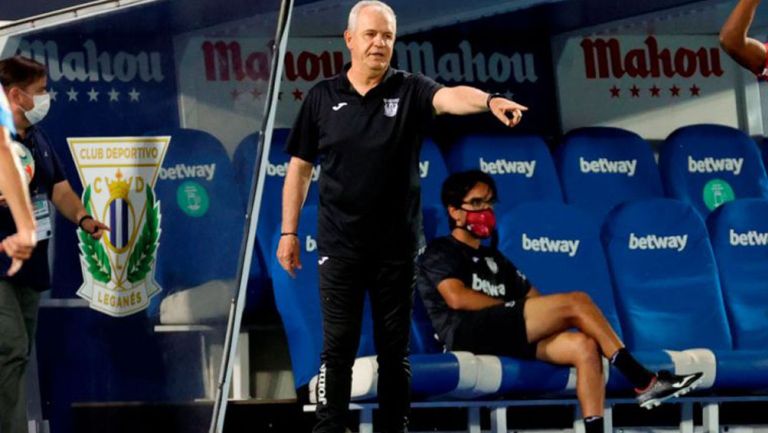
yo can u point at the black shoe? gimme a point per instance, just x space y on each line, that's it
665 386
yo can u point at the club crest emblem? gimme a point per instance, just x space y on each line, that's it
118 175
390 107
492 265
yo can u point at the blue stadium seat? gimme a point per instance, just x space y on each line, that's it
202 218
433 171
520 164
298 302
666 283
739 234
270 216
707 165
764 151
541 236
600 167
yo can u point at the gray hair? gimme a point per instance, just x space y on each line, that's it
355 11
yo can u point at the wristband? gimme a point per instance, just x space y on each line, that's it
82 220
490 97
289 234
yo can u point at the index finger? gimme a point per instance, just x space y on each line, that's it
15 266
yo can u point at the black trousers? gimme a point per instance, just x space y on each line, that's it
343 284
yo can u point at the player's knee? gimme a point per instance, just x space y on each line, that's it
586 350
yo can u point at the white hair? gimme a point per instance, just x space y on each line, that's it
355 11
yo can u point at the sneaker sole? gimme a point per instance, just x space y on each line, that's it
656 402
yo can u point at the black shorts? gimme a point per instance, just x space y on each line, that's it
498 330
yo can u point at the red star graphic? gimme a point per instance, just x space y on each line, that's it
635 91
256 93
655 91
235 93
695 91
297 95
675 90
615 92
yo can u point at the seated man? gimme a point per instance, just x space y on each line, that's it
535 326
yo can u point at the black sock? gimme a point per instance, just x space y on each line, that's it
593 424
638 375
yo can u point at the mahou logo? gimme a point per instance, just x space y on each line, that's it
228 61
92 65
606 58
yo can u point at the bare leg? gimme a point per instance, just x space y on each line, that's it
549 315
579 350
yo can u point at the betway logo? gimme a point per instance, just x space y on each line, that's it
280 170
502 166
423 169
182 171
544 244
715 165
603 58
464 65
752 238
310 244
93 65
225 61
485 286
654 242
604 165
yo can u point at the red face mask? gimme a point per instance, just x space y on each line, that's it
481 223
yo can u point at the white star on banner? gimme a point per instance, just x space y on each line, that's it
53 94
113 95
134 95
93 95
72 94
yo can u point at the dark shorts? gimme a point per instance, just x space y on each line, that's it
498 330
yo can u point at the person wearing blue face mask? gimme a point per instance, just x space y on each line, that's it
25 81
479 302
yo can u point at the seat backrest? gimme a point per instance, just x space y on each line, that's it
432 171
708 165
600 167
664 276
521 165
202 214
541 237
244 160
298 302
739 234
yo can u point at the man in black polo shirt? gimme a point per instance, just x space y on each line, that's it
25 82
478 301
367 125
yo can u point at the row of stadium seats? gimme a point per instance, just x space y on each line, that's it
678 300
597 168
594 168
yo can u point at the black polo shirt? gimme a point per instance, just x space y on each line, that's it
484 270
48 172
369 150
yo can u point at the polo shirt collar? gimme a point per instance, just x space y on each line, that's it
346 85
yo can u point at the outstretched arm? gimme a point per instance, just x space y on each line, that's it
461 100
749 53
